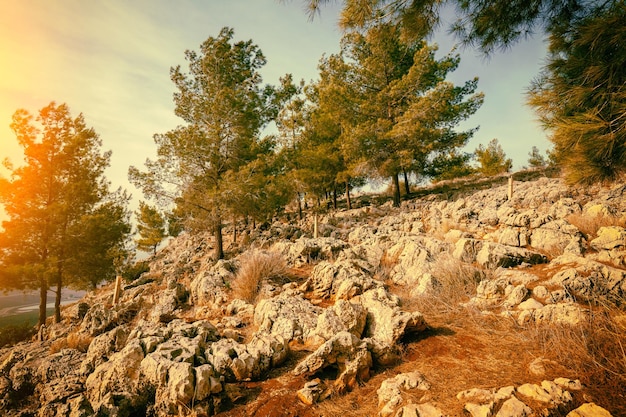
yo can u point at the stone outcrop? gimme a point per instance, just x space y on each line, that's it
179 343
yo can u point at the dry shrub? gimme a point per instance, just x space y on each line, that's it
74 340
454 282
590 224
595 351
386 265
257 266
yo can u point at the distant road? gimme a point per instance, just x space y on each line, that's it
18 306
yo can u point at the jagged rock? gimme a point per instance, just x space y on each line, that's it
610 238
341 279
562 313
237 362
557 236
419 410
589 410
292 318
390 391
547 392
415 256
342 316
311 392
480 410
114 385
304 250
98 319
347 353
387 323
514 408
102 346
168 301
208 287
493 255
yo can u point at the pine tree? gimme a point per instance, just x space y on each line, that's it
48 198
535 159
492 159
581 100
224 107
151 228
403 109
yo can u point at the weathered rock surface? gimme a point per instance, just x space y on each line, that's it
177 342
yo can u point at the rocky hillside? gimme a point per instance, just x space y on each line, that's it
480 306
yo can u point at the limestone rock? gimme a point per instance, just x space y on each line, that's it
347 353
342 316
292 318
609 238
305 250
514 408
342 279
208 288
390 391
493 255
387 323
589 410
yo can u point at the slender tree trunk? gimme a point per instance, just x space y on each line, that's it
348 200
335 197
396 190
219 241
407 189
43 299
299 207
57 297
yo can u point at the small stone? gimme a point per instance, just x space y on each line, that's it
589 410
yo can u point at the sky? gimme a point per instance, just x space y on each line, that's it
110 61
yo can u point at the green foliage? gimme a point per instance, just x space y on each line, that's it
15 333
536 160
151 228
398 108
134 270
580 96
489 25
450 165
51 237
224 107
492 159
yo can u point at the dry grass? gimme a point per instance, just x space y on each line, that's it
589 225
595 351
257 266
74 340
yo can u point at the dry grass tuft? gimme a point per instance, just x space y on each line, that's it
595 351
74 340
257 266
590 224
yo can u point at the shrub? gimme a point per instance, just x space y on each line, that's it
15 333
74 340
255 267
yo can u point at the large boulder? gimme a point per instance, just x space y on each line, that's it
341 279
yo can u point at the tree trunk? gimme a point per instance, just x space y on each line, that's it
335 197
407 189
299 207
348 200
43 300
396 190
234 229
219 241
57 299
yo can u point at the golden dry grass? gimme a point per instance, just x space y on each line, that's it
74 340
590 224
256 266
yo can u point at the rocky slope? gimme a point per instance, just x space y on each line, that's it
436 308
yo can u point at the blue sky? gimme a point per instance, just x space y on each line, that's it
110 60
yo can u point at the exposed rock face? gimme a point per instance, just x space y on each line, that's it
178 342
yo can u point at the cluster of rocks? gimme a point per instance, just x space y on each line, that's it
177 337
